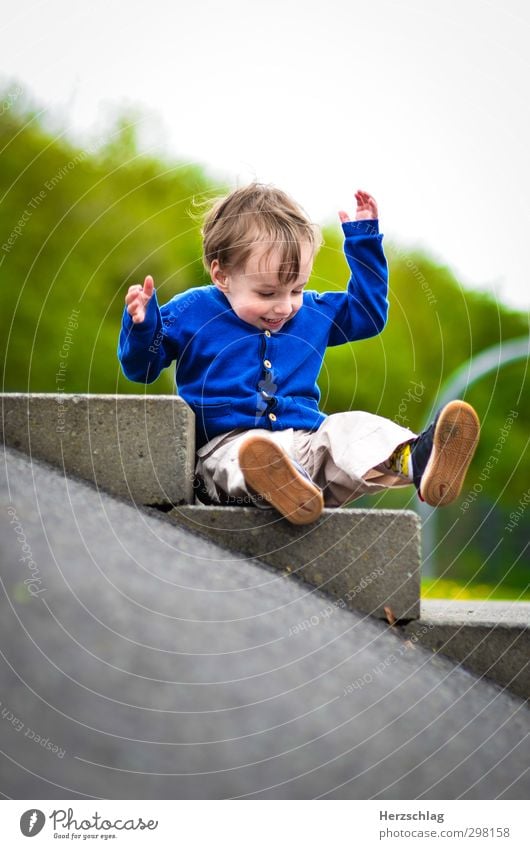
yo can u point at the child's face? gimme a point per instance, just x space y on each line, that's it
256 294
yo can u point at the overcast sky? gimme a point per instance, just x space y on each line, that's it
423 103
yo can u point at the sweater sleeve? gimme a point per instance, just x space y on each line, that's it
145 349
362 310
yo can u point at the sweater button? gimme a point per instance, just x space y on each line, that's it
267 363
272 417
267 333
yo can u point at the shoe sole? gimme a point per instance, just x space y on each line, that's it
269 472
455 440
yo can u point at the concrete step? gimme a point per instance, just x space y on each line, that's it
366 560
138 447
492 638
142 448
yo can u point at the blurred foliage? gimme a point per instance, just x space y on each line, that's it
440 588
79 225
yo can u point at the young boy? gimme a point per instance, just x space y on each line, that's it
248 352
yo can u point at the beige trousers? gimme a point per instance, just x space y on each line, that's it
344 457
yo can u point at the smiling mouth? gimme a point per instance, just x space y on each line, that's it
275 322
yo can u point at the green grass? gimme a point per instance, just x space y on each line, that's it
442 588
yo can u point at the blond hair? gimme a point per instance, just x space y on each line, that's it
257 214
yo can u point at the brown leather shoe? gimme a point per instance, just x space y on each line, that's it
441 454
270 473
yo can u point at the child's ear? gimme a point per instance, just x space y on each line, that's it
219 277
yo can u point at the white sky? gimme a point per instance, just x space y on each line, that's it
424 103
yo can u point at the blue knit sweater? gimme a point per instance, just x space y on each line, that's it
234 375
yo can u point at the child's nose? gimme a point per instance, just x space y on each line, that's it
282 307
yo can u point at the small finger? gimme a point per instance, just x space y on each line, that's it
343 216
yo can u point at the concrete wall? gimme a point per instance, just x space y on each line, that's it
139 447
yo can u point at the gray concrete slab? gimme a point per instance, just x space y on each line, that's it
140 447
138 660
365 560
511 614
490 637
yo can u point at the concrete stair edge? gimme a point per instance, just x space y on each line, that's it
491 638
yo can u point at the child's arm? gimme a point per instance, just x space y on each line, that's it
143 348
363 312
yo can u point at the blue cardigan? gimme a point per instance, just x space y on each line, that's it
234 375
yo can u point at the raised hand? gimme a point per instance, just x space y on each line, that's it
366 208
138 297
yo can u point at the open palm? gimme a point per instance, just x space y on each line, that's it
366 208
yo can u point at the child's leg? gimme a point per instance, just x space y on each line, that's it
354 453
218 462
258 467
350 454
340 458
218 466
280 480
346 455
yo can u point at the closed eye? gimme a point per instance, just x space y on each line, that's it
271 294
